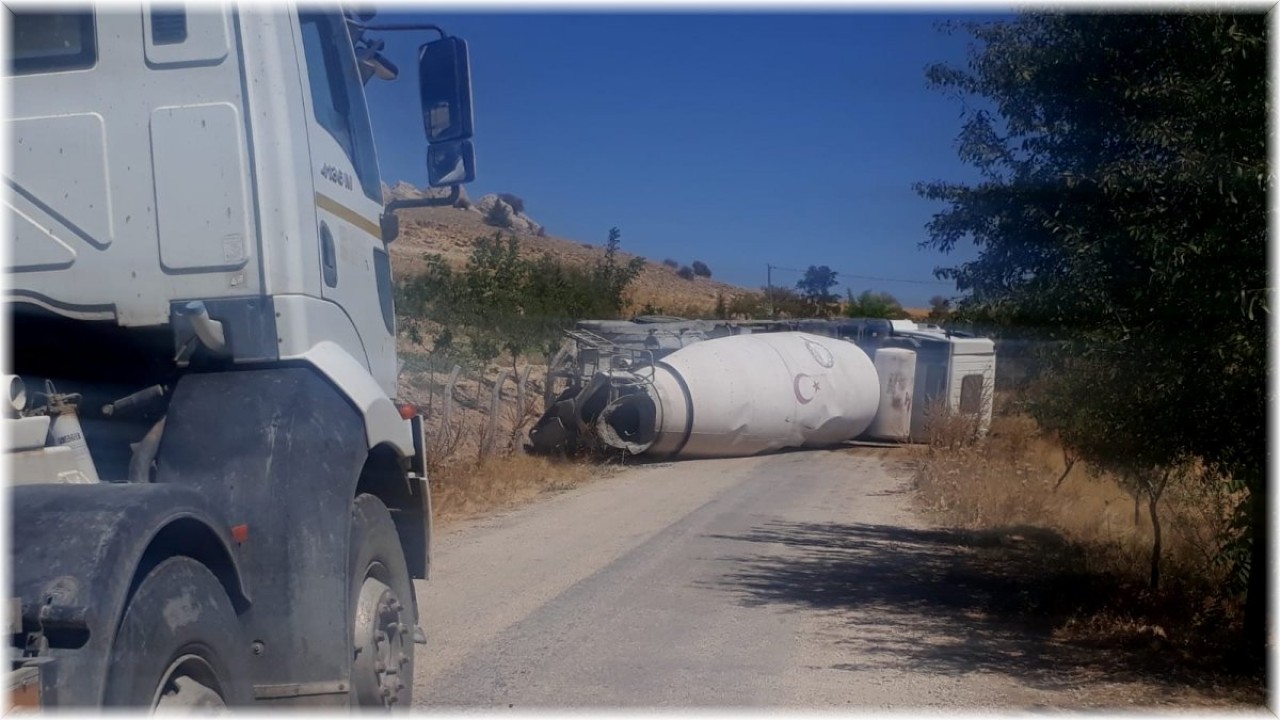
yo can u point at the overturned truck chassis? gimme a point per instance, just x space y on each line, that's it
598 373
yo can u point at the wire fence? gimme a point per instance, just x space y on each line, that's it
472 409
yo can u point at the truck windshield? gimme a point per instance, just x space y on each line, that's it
51 41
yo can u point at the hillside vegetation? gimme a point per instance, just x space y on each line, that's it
451 232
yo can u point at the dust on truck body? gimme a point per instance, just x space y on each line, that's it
215 498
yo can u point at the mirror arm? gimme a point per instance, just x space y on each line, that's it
424 202
392 28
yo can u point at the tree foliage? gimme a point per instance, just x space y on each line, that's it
788 303
514 201
722 307
502 302
939 308
748 306
700 269
1122 208
612 277
499 215
815 288
873 304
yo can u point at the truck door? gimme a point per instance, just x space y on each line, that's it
354 266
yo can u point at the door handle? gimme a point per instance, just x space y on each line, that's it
328 257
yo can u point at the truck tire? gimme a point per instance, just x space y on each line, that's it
178 644
382 609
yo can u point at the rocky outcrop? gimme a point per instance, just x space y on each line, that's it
405 191
520 223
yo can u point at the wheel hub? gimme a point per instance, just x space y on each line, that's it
382 636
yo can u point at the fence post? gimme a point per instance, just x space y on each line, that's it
491 437
431 396
521 383
548 391
447 410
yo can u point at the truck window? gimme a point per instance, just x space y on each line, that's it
386 289
168 24
337 94
971 391
51 41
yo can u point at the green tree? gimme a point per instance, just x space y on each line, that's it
939 308
1122 207
613 276
747 305
492 307
503 302
873 304
722 307
1144 453
789 303
499 216
815 288
514 201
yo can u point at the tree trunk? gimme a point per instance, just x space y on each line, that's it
1153 500
1258 592
1070 462
1137 509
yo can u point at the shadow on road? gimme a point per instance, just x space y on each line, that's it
949 602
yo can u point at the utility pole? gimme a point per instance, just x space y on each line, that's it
769 289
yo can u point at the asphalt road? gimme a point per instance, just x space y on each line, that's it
798 580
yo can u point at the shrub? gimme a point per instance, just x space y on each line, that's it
498 216
516 203
685 272
671 263
872 304
700 269
501 301
747 305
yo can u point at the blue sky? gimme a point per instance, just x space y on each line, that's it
738 140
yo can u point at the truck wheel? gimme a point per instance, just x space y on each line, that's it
382 606
178 643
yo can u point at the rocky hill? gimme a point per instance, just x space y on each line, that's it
450 232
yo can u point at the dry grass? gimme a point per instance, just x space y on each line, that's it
471 473
1083 555
467 489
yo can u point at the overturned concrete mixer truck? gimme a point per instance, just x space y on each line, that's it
666 387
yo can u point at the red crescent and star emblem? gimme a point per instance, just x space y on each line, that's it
805 384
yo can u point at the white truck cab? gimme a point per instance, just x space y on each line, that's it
198 280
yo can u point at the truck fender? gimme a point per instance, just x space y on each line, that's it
284 449
382 422
83 549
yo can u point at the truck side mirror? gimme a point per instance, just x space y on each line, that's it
451 163
444 77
